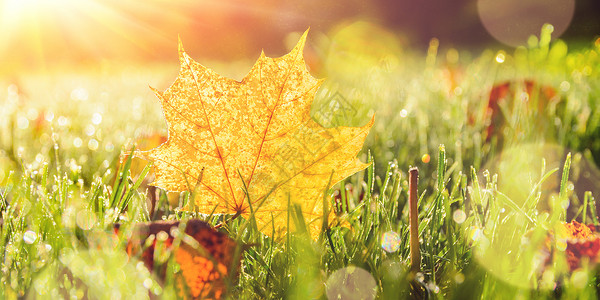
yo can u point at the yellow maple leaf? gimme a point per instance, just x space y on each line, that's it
253 138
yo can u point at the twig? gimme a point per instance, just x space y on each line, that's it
413 214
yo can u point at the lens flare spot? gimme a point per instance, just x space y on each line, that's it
500 57
426 158
459 216
63 121
579 278
390 241
96 118
77 142
29 237
85 220
459 278
561 244
512 22
93 145
351 283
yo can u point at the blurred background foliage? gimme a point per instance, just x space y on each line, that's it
41 35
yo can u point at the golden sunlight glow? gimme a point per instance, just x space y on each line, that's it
35 32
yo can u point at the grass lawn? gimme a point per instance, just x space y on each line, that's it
506 144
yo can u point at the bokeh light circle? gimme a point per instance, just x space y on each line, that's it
512 22
351 283
459 216
390 241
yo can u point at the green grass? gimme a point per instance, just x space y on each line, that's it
62 189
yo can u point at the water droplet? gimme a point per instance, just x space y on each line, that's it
476 234
96 118
147 283
420 277
93 144
403 113
49 116
77 142
433 287
29 237
565 86
63 121
500 57
390 241
90 130
561 244
524 96
459 216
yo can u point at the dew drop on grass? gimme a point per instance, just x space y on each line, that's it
140 267
433 287
500 57
90 130
390 241
93 145
420 277
403 113
476 234
20 151
147 283
49 116
96 118
561 244
62 121
77 142
29 237
459 216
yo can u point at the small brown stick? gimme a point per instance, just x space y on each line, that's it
413 214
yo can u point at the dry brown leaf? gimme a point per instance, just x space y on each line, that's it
226 134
